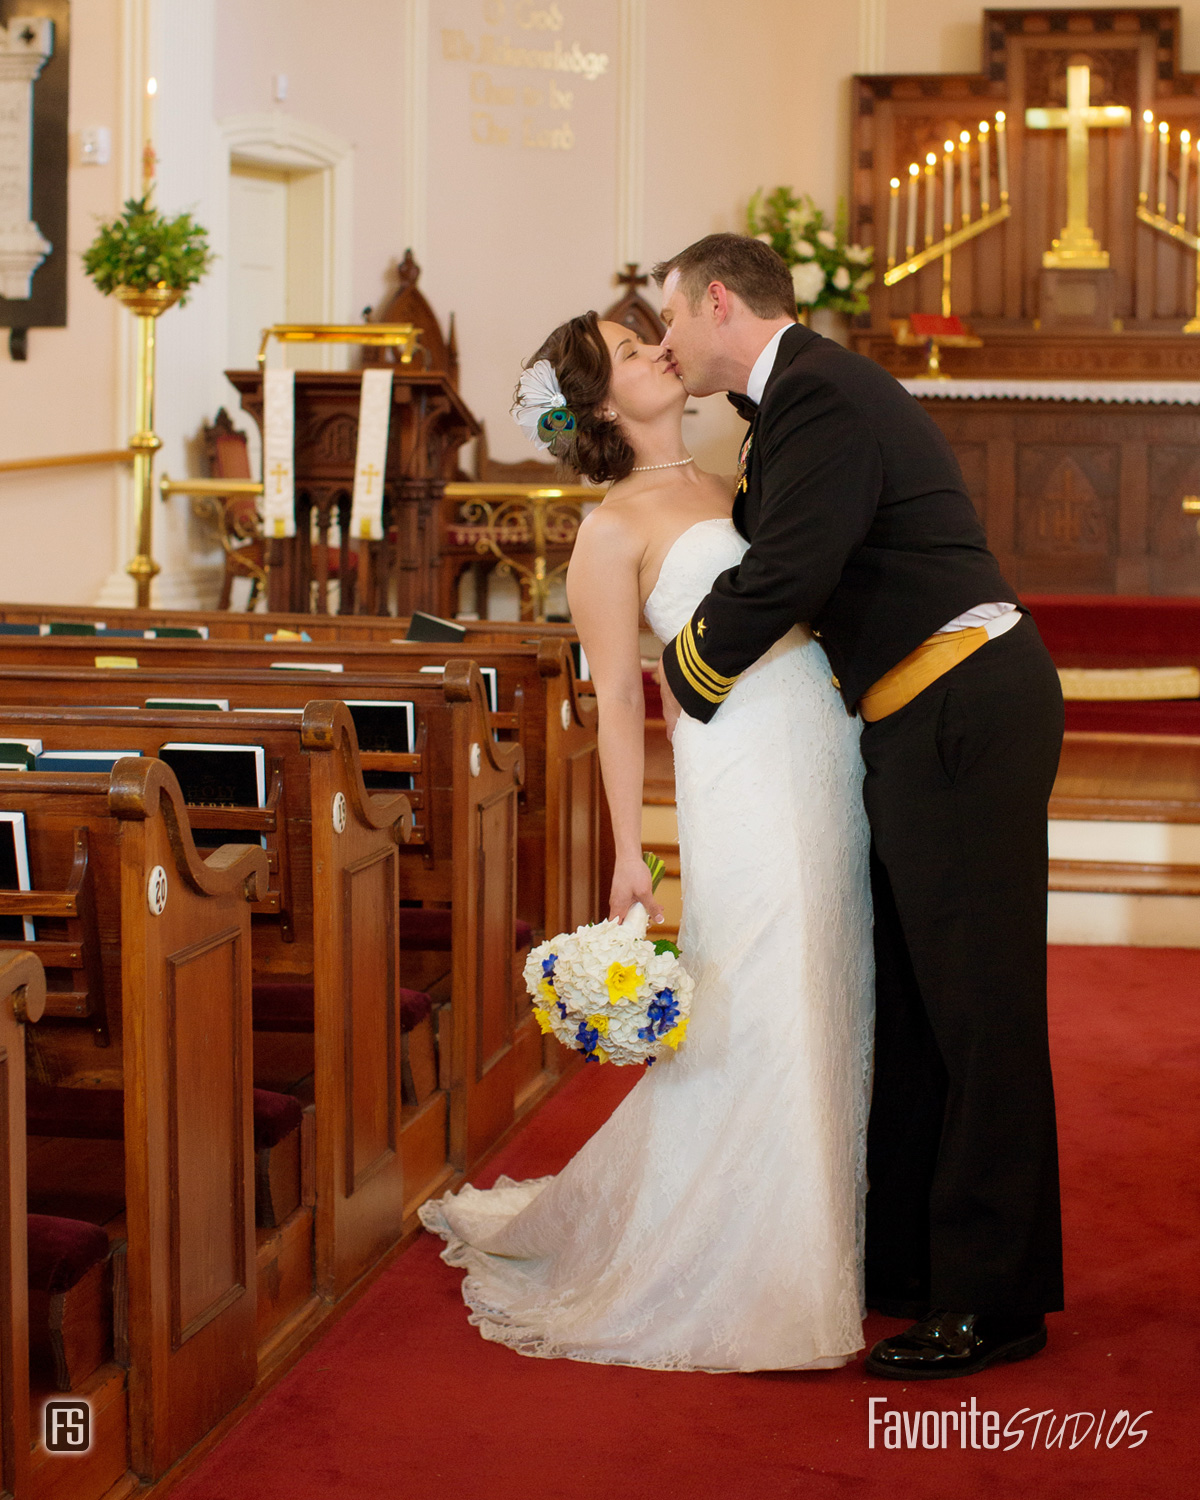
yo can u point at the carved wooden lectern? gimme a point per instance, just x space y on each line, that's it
429 423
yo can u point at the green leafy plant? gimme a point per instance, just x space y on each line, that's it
141 248
827 271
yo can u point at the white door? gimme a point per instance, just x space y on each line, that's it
258 259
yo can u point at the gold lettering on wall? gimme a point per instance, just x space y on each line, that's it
546 53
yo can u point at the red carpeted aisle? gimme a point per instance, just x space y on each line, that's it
403 1399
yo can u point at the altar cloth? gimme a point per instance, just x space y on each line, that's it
1134 392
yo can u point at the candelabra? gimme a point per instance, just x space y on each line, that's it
1175 228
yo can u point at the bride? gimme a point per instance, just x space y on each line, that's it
715 1222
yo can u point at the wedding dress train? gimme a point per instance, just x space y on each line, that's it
715 1221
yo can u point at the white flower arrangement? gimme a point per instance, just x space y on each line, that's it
826 270
609 992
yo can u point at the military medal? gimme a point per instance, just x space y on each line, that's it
743 459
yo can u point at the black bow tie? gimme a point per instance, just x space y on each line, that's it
745 408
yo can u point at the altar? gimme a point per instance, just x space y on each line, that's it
1079 483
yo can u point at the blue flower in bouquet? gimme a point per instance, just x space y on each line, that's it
662 1014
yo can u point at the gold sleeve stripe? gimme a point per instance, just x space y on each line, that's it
694 670
714 676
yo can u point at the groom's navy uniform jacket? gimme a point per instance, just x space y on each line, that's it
868 534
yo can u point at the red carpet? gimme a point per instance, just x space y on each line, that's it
403 1399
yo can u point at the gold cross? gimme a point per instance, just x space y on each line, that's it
1077 247
370 473
279 473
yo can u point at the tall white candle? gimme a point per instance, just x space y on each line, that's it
149 160
930 195
964 167
985 167
1002 155
910 227
1164 142
1185 156
948 186
1147 143
893 219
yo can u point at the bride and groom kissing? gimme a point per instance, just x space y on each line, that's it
866 728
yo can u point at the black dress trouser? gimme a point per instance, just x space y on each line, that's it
963 1205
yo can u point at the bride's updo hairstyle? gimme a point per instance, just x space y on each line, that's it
596 447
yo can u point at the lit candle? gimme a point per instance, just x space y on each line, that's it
149 161
948 194
985 167
1002 155
1147 142
964 166
893 220
1164 142
910 229
1185 154
930 194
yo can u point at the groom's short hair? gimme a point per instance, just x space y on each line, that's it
748 268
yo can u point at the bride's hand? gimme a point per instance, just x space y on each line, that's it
631 882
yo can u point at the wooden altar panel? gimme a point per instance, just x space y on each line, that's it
1133 55
1082 497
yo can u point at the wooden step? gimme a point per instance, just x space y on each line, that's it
1124 878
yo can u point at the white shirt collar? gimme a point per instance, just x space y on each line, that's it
763 366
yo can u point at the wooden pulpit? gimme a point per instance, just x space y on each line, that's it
429 423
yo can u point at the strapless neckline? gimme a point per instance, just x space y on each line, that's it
687 531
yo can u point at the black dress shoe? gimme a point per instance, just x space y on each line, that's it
946 1344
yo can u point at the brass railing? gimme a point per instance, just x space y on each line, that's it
68 461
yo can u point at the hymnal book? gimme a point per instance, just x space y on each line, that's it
81 760
489 679
283 634
121 632
16 627
201 705
116 663
433 628
19 755
582 670
14 873
73 627
176 633
218 776
384 727
307 666
268 710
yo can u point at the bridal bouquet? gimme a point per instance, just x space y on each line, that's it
826 271
609 992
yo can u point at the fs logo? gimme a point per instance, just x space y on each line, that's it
68 1427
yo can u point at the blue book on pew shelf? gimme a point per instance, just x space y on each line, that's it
14 873
219 775
18 627
81 760
388 727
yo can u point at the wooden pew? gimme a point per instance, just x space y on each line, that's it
22 997
462 853
563 869
335 878
180 1053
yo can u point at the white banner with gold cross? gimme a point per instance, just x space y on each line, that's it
279 456
374 415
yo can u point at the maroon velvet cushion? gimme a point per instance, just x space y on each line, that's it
91 1114
62 1251
287 1005
275 1116
283 1005
415 1007
428 928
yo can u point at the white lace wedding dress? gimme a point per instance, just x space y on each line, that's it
715 1221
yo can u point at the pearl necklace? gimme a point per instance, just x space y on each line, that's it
645 468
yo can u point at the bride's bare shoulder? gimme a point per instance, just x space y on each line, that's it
613 528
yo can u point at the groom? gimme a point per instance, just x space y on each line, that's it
860 526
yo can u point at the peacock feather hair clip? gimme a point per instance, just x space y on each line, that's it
540 408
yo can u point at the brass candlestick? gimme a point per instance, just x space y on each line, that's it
147 306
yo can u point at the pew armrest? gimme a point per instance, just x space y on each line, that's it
139 786
23 986
328 726
462 682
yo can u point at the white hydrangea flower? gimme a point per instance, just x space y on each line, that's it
806 249
827 238
841 279
808 282
859 254
765 238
